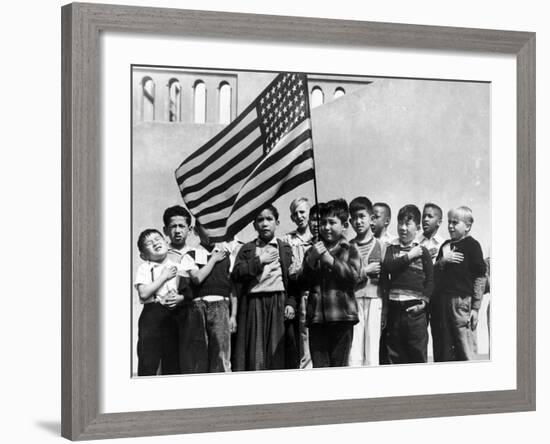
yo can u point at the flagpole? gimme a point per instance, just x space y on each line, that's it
313 155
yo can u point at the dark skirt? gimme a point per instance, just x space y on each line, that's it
260 343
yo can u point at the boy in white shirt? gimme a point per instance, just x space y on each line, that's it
157 286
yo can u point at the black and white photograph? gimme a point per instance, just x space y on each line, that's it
295 221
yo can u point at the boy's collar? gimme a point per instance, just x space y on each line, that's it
397 242
368 238
436 237
181 250
166 259
303 237
340 242
260 242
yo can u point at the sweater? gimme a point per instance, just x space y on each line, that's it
218 281
414 278
459 279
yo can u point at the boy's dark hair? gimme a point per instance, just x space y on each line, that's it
143 237
386 207
269 207
335 208
409 212
435 207
315 209
360 203
176 210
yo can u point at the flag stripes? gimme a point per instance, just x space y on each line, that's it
264 153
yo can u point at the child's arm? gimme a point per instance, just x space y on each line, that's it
199 275
428 268
146 291
393 264
234 306
478 268
385 287
347 268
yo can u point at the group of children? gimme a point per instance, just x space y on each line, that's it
311 298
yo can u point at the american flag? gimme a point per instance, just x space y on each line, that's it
264 153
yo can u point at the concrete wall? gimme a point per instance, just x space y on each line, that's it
398 141
408 141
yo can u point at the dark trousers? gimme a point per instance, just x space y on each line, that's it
406 335
205 337
452 335
158 344
330 344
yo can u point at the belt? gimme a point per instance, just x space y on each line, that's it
406 304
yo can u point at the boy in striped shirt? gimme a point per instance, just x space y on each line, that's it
366 334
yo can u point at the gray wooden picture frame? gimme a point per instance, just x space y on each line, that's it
81 253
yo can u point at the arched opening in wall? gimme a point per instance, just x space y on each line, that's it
174 107
317 97
148 99
199 102
224 102
339 92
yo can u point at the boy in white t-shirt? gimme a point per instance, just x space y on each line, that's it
157 286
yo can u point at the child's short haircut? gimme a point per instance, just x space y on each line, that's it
386 207
409 212
464 213
335 208
294 204
314 210
143 237
360 203
176 210
269 207
435 207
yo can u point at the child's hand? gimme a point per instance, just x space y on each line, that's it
269 256
327 259
173 299
372 269
289 312
169 272
318 250
415 252
218 256
416 308
233 324
453 257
